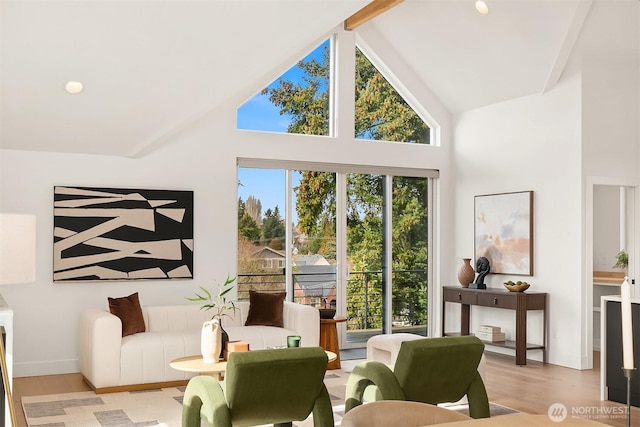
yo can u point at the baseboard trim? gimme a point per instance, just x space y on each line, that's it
54 367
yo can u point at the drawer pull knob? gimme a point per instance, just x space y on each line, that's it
495 301
459 296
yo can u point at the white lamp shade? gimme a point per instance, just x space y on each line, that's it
17 248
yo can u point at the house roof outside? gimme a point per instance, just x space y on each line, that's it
315 280
268 253
314 259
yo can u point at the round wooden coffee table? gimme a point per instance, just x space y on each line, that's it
195 364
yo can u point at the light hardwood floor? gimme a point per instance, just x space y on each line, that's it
531 389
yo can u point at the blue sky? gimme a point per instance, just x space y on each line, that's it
259 113
268 185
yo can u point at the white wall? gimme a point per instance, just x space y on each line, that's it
203 158
46 313
537 143
610 127
582 133
606 229
530 143
611 143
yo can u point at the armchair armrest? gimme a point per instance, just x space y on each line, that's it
305 320
100 341
478 399
321 408
368 374
204 401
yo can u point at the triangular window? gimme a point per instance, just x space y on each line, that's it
297 102
381 112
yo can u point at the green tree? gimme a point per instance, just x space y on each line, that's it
381 114
306 101
247 227
272 226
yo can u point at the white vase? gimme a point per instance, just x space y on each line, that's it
211 341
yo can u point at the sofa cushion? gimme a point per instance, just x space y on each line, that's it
145 358
130 313
265 309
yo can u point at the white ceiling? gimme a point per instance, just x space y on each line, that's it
470 60
149 66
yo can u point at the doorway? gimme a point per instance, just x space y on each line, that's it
611 225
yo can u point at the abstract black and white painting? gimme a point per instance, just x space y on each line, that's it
122 234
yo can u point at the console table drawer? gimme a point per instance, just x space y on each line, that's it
460 296
497 300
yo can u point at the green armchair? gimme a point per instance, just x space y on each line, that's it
262 387
430 370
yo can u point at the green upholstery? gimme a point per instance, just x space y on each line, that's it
261 387
430 370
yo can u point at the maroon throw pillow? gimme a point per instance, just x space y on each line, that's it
130 313
266 309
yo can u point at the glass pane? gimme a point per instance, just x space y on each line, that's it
409 289
381 112
364 256
314 238
261 231
297 102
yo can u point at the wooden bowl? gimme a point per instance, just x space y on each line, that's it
517 288
327 313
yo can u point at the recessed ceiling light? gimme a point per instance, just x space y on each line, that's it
73 87
482 7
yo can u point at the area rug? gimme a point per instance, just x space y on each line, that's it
153 408
161 407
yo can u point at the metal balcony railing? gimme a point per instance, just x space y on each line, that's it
364 296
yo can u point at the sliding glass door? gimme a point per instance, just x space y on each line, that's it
387 240
351 240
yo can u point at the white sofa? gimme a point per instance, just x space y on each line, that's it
110 362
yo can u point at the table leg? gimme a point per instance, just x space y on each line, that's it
217 375
521 330
329 341
465 310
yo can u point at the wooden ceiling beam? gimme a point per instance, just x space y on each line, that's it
370 11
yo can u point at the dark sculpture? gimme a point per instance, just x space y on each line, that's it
482 268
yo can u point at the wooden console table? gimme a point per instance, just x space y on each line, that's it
521 302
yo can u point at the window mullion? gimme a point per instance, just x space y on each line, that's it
344 84
387 254
342 272
288 223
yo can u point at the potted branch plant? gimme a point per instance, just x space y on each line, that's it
622 260
213 337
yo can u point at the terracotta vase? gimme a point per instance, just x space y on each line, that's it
466 274
211 341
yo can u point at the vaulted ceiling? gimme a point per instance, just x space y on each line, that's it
150 66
